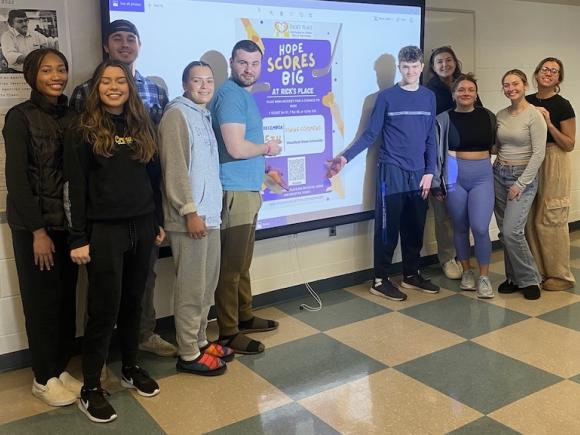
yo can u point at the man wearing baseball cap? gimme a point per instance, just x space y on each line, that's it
121 42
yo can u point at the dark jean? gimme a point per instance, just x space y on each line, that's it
511 216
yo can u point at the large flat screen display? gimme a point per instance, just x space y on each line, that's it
323 63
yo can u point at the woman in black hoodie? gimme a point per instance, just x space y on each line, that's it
33 134
113 186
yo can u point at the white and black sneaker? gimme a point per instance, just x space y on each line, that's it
93 403
137 378
419 283
386 289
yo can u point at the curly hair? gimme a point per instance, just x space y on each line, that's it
98 128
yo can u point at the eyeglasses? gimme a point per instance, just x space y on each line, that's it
546 70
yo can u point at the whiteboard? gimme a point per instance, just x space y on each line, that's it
455 28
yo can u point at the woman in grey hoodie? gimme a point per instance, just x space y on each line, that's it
192 204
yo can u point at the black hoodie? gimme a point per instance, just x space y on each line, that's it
108 189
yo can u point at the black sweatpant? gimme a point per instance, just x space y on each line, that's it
120 254
399 209
49 303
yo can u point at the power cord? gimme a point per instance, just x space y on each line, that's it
306 284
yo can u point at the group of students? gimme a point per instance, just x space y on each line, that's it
528 185
100 188
441 142
85 188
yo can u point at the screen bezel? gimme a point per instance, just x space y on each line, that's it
329 222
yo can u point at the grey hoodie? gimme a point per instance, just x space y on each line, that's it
190 165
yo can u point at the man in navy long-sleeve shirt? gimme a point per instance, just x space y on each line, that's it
405 114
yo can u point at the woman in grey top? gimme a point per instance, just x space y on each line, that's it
521 146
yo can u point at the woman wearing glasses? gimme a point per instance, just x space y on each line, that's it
521 145
547 228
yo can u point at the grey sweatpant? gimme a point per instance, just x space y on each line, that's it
197 266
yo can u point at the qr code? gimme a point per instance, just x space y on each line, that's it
296 171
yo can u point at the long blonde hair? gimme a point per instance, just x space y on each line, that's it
97 126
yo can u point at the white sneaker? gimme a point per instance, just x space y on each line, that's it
157 345
71 383
467 280
484 288
53 393
452 269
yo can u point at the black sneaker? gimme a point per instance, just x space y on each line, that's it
387 289
417 282
136 377
93 403
508 287
532 292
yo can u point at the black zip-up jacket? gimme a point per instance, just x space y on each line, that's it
34 135
108 189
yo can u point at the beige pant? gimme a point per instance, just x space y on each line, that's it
547 228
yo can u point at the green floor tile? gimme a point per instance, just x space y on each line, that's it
436 275
291 419
310 365
339 308
484 426
576 288
464 316
132 419
568 316
478 377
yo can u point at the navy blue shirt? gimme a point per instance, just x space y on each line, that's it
407 121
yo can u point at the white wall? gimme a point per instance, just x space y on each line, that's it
509 34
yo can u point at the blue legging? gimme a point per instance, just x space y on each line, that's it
470 200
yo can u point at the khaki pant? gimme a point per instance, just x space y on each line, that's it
443 231
547 228
233 296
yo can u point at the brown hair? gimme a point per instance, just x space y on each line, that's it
560 74
469 77
515 72
97 126
445 49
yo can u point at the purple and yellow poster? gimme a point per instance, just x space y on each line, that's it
295 97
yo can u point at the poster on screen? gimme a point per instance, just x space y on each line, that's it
25 25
